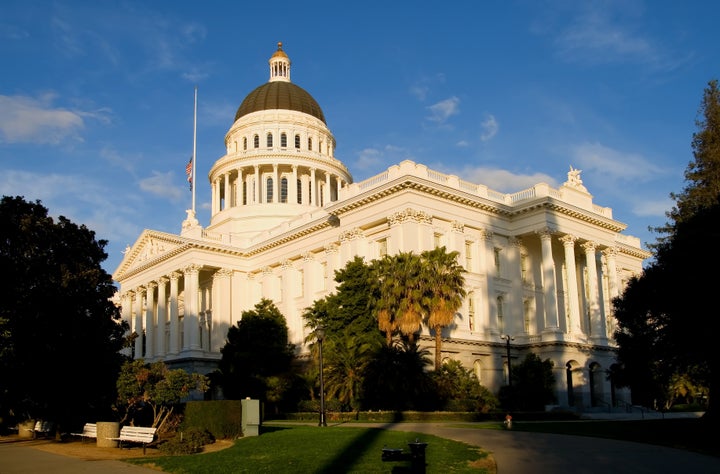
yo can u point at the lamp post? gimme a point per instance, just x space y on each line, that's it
507 338
320 335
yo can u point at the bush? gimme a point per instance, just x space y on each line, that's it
223 418
187 442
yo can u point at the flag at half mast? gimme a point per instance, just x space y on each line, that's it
189 172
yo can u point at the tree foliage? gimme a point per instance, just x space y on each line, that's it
458 389
60 333
664 314
257 349
141 385
533 383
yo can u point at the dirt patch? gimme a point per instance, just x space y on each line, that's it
89 451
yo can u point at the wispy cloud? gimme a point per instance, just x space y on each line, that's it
489 128
163 185
614 164
503 180
35 120
443 110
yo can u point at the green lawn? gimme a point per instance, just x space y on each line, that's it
301 449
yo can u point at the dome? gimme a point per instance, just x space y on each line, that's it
280 95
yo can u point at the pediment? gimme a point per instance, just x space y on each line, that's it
150 246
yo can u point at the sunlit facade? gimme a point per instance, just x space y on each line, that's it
543 263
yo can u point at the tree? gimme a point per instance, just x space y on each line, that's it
257 348
141 385
398 302
458 389
663 313
533 383
60 331
444 285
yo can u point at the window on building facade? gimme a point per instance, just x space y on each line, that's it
283 140
471 310
523 266
297 141
269 140
500 317
244 143
321 192
310 144
298 185
301 283
382 248
437 240
311 200
256 141
269 190
284 190
244 193
468 256
497 260
526 315
477 369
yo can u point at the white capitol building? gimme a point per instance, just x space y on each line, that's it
543 263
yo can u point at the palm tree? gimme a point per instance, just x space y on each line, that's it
399 297
444 286
348 356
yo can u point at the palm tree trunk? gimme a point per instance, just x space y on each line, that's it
438 347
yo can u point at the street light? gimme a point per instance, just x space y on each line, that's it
507 338
320 335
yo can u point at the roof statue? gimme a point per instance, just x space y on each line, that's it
573 179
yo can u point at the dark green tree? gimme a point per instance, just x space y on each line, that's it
257 348
458 389
533 385
60 333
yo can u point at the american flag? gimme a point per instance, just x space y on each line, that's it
188 172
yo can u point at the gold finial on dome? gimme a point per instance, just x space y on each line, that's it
279 65
279 45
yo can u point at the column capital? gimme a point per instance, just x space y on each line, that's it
223 273
589 246
568 240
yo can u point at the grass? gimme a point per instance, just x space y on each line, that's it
296 449
690 434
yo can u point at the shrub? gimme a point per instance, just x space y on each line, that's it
190 441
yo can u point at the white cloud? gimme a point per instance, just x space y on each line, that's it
444 109
503 180
613 164
489 128
162 184
30 120
368 158
652 207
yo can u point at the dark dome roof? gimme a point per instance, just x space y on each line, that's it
280 95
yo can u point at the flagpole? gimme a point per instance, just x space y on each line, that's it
194 160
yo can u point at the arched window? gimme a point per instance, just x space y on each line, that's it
310 144
256 141
244 143
283 140
297 141
269 140
299 191
269 190
283 190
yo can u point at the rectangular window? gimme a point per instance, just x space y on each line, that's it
382 248
468 256
496 252
523 267
471 310
500 319
437 240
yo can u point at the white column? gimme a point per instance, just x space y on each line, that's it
257 184
292 198
338 183
548 281
487 287
150 320
227 191
610 256
313 188
515 311
597 322
174 316
221 316
127 316
190 320
162 317
327 188
239 188
571 291
138 322
276 186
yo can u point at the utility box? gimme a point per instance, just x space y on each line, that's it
251 417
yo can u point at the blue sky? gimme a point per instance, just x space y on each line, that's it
96 97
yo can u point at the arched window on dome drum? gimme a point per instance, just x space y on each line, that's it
283 140
310 144
269 190
269 140
244 143
297 141
299 191
256 141
283 190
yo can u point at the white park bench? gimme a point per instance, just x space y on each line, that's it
42 427
89 431
136 434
